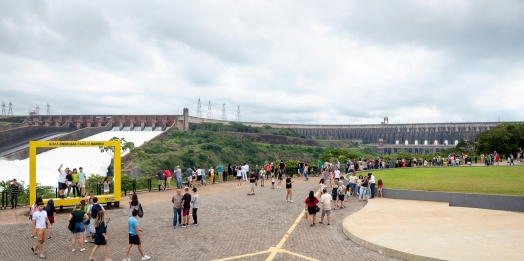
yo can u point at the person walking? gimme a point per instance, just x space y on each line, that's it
134 205
161 180
134 236
177 207
196 201
306 172
62 181
311 207
40 221
186 201
289 193
363 189
279 178
51 211
100 236
33 210
239 178
14 193
372 184
220 173
325 201
334 195
79 216
341 191
189 173
82 181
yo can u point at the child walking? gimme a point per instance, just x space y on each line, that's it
100 236
379 190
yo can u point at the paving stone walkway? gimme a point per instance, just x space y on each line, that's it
231 226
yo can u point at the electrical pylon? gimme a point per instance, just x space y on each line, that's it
224 116
199 109
209 112
239 119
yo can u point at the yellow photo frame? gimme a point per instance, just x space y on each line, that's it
109 199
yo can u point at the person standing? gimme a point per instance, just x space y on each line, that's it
196 201
252 180
100 236
189 173
220 170
14 193
244 171
40 221
178 174
212 174
62 181
78 231
82 181
262 174
134 236
279 178
92 212
256 172
289 193
177 207
239 178
325 201
107 185
372 184
306 172
352 183
282 167
311 207
230 170
161 177
300 168
186 201
76 191
267 167
167 173
69 180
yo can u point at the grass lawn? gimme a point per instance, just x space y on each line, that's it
504 180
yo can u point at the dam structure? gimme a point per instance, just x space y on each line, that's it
385 138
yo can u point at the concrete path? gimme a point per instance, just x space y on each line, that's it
421 230
231 226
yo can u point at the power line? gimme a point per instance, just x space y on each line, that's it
239 119
10 112
48 112
209 112
224 116
199 109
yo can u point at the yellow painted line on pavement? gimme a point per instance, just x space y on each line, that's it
241 256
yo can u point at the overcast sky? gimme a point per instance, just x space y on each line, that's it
316 62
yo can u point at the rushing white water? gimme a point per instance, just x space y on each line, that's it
90 158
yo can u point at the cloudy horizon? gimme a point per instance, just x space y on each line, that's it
306 62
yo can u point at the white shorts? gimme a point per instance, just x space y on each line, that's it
189 178
81 184
106 190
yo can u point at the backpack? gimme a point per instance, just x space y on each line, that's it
94 210
140 211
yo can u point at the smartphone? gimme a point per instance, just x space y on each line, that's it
109 219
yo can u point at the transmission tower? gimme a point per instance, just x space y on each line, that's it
209 112
10 112
48 112
37 109
3 108
224 117
239 119
199 109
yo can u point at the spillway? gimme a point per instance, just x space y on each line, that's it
89 158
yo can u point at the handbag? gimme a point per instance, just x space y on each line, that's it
305 215
72 224
140 211
317 209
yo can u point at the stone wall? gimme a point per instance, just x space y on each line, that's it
13 136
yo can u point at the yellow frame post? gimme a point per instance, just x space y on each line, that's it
33 145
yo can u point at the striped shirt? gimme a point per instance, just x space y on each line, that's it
14 189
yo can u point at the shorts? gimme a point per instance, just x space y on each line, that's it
334 196
252 185
61 186
79 228
92 226
379 189
272 183
81 184
106 190
280 177
300 170
256 176
312 210
185 212
326 213
348 194
199 178
189 178
239 177
134 240
268 173
51 219
263 176
40 234
341 197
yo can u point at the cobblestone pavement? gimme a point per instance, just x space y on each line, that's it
230 224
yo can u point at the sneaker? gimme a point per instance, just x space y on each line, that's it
291 201
85 241
183 225
287 200
146 258
174 227
127 259
82 249
194 224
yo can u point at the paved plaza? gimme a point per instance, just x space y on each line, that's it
232 226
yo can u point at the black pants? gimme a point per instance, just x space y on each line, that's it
76 191
372 186
14 200
195 220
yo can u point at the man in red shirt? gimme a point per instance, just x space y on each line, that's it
167 173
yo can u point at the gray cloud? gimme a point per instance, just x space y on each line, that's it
288 62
